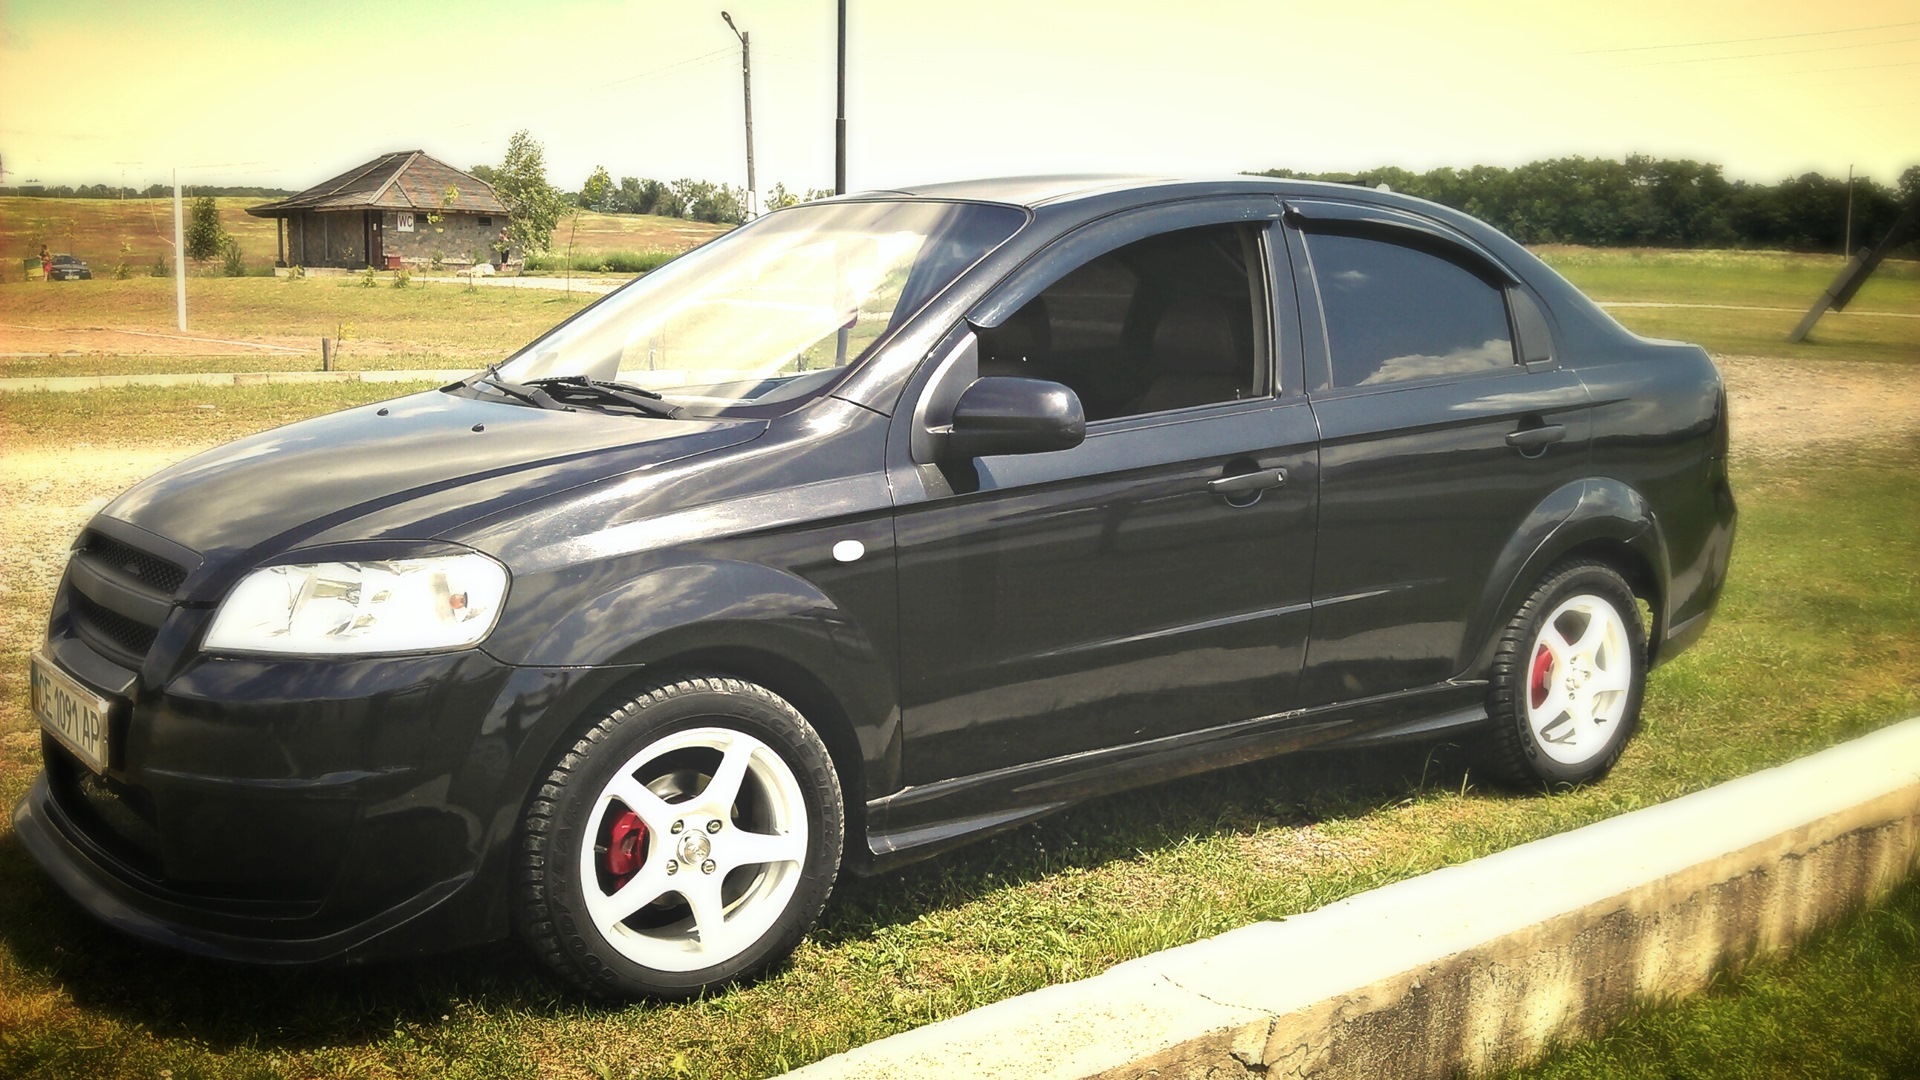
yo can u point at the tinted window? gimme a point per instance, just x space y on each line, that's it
1396 313
1169 322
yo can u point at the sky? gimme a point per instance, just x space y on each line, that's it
284 93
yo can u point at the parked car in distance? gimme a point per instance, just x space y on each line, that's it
877 525
68 268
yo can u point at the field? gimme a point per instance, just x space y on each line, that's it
1817 639
96 229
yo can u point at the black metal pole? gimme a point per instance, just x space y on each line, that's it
746 80
840 113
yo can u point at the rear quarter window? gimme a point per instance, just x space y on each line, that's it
1396 313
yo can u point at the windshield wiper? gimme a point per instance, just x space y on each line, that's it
567 388
531 395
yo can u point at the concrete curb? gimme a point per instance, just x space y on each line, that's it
61 383
1477 966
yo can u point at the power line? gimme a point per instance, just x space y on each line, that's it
1778 52
1741 41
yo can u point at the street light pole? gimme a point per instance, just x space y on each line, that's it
746 82
840 113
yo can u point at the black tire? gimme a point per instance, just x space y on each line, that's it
1516 754
550 908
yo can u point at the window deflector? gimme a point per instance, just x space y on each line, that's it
1384 222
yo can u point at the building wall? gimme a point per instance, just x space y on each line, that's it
457 237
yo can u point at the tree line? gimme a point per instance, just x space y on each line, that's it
1652 202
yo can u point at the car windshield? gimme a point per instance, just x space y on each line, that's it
774 311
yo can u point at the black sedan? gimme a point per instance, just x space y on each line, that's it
877 525
68 268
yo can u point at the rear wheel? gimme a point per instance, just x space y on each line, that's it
688 839
1567 680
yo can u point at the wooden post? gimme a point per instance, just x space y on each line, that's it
326 354
280 239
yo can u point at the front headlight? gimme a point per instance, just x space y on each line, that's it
385 606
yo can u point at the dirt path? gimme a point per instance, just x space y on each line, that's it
1784 407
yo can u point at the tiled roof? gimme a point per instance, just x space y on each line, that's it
405 180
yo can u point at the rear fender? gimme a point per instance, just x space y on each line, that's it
1597 514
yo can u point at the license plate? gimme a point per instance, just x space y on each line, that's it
70 712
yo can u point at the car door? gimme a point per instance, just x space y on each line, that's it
1153 580
1444 423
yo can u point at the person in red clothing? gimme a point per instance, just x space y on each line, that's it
46 264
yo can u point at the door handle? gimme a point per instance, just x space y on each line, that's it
1536 438
1242 483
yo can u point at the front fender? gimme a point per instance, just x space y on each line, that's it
1593 512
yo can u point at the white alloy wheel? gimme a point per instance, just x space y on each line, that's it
1579 675
699 841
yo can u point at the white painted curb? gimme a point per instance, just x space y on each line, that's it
1474 966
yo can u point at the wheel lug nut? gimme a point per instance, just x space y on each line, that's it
673 867
714 825
707 867
678 826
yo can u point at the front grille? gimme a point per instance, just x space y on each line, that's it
132 637
152 571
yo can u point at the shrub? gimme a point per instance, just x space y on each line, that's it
231 264
611 262
367 278
160 267
401 277
206 237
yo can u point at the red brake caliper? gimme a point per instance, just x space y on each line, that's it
624 838
1542 672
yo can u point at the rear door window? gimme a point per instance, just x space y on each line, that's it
1396 313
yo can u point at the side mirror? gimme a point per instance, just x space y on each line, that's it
1004 415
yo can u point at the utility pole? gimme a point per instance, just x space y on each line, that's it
1848 249
840 113
746 81
179 257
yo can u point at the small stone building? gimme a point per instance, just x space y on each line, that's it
400 209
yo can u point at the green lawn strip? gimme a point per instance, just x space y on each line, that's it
1844 1004
422 318
1764 333
345 360
1757 278
1815 642
139 416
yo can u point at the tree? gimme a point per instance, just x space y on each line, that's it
521 184
206 237
597 192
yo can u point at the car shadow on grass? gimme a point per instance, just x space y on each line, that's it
224 1006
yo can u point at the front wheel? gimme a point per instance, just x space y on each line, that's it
689 839
1568 674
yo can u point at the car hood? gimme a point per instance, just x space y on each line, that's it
410 469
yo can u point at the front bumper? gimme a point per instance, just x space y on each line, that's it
301 812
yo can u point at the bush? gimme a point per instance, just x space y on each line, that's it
231 264
401 277
206 237
160 267
612 262
367 278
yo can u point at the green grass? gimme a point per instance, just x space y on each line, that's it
174 415
95 229
1845 1004
602 262
424 319
1818 633
347 359
1755 279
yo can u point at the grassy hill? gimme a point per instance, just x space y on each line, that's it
139 232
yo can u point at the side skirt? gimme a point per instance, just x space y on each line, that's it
924 820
